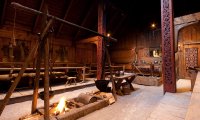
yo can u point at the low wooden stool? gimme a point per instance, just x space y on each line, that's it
70 80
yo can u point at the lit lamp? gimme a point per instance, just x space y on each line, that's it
108 34
153 25
179 47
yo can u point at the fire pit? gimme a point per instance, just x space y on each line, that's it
74 108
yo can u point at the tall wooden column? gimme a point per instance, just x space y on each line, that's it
100 43
168 55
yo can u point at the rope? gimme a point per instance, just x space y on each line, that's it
11 44
14 42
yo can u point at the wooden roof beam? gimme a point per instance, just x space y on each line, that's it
85 19
19 6
89 40
65 16
37 18
3 12
187 18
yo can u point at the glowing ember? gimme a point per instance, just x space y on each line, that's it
61 107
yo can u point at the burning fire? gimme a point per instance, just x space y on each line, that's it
61 107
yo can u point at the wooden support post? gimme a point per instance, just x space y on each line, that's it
37 77
100 44
168 53
111 75
17 79
43 38
46 72
46 81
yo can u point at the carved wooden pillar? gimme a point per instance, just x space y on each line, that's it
100 43
168 55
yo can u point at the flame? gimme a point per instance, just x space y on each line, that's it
61 105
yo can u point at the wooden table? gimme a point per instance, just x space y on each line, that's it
128 77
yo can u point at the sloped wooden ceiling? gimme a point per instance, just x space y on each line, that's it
80 12
121 15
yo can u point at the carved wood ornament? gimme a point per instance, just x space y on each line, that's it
168 55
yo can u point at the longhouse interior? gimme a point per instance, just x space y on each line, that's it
137 59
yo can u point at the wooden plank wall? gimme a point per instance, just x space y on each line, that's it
189 37
124 51
62 49
86 53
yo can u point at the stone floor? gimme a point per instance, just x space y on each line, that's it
145 103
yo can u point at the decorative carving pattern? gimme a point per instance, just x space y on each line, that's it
191 57
168 47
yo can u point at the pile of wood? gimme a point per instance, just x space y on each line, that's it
77 107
